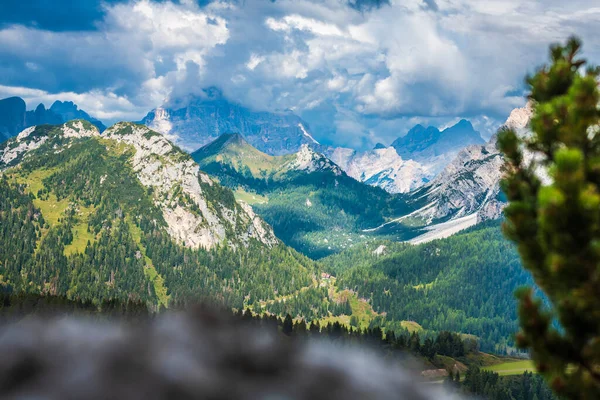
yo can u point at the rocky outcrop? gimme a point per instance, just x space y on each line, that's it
198 355
193 217
382 167
13 150
308 160
519 117
195 121
78 129
470 184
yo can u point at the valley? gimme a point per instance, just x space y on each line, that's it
174 234
195 235
128 216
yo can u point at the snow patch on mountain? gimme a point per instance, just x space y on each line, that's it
307 134
446 229
470 184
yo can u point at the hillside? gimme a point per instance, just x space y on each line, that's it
464 283
311 203
129 216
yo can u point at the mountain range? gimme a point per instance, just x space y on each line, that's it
14 116
411 161
127 214
195 121
442 175
465 193
319 209
312 204
446 179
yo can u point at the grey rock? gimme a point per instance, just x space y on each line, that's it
189 356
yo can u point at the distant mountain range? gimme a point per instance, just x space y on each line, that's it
421 142
195 121
420 205
444 178
466 192
14 116
411 161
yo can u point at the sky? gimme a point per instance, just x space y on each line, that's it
358 71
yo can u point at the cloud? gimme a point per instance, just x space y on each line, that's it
141 51
358 71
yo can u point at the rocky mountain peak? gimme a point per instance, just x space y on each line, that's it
176 180
306 159
34 137
194 121
70 111
382 167
519 117
12 116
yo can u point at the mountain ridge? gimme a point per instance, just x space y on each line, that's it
14 116
127 215
411 161
312 204
195 121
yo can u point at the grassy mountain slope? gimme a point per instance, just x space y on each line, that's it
100 217
312 205
463 283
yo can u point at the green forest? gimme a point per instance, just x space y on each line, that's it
464 283
89 230
90 233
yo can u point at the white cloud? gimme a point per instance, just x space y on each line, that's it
364 75
143 50
106 106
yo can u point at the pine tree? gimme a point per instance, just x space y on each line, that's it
288 325
556 222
